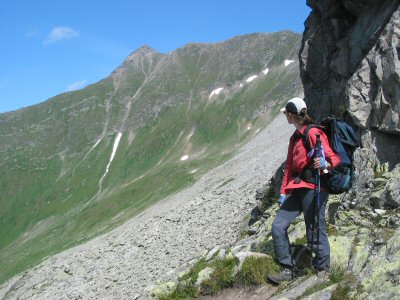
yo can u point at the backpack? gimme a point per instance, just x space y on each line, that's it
343 141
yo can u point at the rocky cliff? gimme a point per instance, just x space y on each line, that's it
349 62
350 67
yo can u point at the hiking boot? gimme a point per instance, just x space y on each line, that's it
285 275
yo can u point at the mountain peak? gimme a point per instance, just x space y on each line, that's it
144 49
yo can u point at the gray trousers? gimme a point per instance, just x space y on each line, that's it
301 200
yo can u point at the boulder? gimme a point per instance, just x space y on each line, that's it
204 275
381 276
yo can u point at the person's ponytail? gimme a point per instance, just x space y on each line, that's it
303 118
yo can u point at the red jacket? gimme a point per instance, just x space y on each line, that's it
297 159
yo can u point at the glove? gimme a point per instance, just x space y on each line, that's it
323 163
282 198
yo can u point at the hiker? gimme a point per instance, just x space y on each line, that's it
297 192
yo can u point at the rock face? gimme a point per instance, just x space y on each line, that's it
349 61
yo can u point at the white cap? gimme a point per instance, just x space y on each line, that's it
295 105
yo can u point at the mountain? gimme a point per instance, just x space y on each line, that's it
86 161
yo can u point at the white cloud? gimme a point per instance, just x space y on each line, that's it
60 33
76 85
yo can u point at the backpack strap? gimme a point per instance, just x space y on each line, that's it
305 137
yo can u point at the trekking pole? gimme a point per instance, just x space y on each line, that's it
317 153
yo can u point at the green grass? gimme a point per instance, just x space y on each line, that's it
255 270
181 292
221 278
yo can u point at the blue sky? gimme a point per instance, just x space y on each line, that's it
52 46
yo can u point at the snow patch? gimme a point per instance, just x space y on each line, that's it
190 134
215 92
288 62
115 147
193 171
251 78
241 85
185 157
266 71
95 145
248 127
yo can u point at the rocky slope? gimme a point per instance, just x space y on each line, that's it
127 262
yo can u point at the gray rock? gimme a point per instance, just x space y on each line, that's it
349 63
298 287
212 253
324 294
204 275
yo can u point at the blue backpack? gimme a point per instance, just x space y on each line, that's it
343 141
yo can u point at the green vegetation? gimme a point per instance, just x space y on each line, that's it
221 278
255 270
181 292
192 276
347 287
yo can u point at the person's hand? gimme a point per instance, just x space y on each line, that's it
320 163
282 198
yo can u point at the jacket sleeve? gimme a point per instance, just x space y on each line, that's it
330 155
288 167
